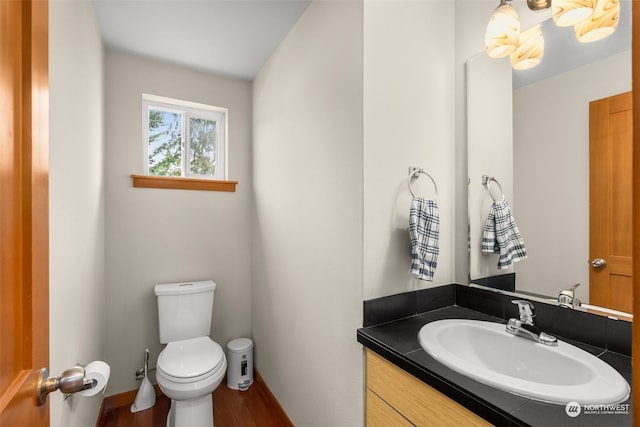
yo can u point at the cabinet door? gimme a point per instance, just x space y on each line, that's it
419 403
380 414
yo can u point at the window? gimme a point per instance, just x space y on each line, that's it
184 139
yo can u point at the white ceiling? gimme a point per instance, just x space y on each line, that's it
236 37
231 37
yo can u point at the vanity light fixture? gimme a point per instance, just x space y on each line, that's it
530 49
569 12
503 31
592 20
601 23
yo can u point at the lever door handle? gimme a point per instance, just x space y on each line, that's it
599 263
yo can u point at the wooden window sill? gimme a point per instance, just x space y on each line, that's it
181 183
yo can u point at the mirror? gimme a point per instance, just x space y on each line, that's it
530 131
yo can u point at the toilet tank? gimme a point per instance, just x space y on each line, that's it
184 310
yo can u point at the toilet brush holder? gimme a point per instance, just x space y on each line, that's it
146 396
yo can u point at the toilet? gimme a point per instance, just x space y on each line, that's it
192 365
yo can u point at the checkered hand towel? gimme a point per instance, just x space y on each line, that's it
424 224
501 236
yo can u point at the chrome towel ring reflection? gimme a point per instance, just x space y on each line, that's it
413 173
486 179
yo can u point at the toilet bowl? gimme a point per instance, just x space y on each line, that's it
188 371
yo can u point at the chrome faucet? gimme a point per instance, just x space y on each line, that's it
524 326
567 297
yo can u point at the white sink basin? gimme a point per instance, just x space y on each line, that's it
487 353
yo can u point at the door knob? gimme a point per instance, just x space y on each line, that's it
71 381
599 263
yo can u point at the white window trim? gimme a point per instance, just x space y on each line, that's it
190 109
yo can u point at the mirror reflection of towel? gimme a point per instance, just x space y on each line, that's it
424 224
501 236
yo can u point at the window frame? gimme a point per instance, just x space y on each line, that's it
188 110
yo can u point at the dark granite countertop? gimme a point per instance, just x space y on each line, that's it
397 341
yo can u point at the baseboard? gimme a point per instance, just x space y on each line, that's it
276 404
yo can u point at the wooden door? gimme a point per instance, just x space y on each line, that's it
24 162
610 202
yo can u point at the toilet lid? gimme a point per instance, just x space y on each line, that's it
188 359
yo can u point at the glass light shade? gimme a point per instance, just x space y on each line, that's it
570 12
529 52
503 31
602 23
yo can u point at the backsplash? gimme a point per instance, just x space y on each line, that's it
505 282
599 331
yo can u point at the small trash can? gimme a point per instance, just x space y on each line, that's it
240 363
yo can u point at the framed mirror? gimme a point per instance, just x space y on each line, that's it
530 130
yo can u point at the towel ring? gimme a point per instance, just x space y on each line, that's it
413 172
486 179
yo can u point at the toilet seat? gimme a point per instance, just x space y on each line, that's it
191 360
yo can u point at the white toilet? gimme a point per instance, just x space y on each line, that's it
192 365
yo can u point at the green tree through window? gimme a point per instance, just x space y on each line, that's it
183 138
165 143
203 143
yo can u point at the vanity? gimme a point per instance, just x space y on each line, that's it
407 386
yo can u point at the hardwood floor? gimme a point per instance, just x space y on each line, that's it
256 407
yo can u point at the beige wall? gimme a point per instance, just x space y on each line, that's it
331 218
307 232
76 201
160 236
408 121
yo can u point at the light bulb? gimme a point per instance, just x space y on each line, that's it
601 23
529 52
570 12
503 31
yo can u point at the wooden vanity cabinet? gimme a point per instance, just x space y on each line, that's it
397 398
